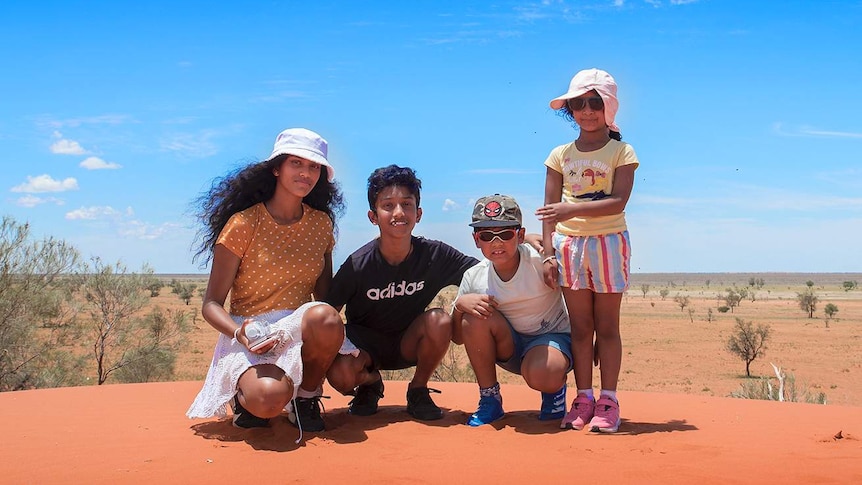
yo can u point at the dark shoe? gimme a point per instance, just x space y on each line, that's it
420 405
244 419
365 402
306 414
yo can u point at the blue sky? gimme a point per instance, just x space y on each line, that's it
115 116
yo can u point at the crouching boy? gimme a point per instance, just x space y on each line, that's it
506 315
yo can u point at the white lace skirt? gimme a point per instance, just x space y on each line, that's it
231 359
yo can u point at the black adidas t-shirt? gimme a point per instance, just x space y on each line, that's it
388 298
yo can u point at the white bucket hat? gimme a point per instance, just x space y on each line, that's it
598 80
305 144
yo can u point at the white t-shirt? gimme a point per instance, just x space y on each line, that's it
530 306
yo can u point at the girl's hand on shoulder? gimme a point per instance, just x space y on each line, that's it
476 305
556 212
535 240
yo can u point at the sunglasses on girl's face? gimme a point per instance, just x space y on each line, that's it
596 103
504 235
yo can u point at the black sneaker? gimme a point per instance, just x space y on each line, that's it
365 402
244 419
420 405
306 414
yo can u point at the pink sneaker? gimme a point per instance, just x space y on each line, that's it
607 418
580 414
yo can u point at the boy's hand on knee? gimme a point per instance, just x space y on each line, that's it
476 305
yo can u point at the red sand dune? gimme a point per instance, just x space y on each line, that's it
138 433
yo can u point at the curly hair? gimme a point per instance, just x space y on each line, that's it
567 115
392 175
245 187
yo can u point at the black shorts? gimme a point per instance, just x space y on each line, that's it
384 348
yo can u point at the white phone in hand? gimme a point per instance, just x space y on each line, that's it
260 343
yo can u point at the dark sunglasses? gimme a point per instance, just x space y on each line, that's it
596 103
504 235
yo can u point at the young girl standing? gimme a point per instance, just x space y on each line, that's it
269 231
586 241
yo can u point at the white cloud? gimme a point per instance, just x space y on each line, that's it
779 129
91 120
32 201
145 231
450 205
191 145
123 223
67 147
95 213
45 183
96 163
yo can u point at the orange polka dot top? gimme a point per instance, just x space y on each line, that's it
280 263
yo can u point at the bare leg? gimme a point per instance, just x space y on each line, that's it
486 341
426 342
580 306
322 336
610 347
348 371
264 390
544 368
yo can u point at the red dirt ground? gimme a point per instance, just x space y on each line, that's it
137 433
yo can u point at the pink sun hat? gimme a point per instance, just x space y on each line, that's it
305 144
588 80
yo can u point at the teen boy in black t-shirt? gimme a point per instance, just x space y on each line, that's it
386 286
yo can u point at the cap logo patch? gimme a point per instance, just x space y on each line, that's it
493 209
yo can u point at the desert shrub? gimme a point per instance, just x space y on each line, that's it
682 301
120 338
732 298
830 310
723 309
849 285
645 289
186 291
37 309
748 342
808 301
783 387
148 366
153 284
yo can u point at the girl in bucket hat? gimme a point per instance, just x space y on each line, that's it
268 229
586 242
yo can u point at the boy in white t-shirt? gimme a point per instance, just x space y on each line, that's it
506 315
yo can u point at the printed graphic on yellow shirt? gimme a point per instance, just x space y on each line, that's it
588 179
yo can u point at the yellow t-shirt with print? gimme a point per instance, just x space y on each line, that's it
280 263
587 174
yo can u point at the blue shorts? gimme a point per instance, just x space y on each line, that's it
524 343
597 263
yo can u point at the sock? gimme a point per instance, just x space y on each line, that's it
307 394
493 391
587 392
610 394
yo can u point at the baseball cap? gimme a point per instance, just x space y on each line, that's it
588 80
496 211
302 143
